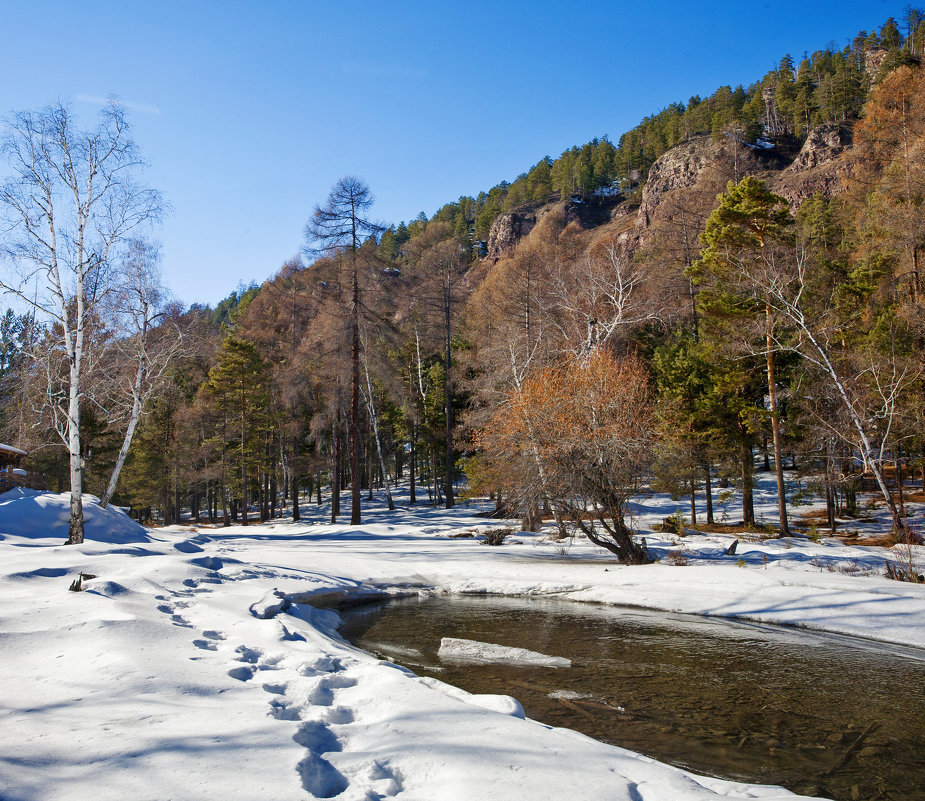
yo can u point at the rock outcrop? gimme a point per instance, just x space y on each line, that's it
703 165
818 167
507 230
682 186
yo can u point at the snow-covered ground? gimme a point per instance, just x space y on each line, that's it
193 666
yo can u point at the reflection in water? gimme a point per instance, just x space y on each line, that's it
820 715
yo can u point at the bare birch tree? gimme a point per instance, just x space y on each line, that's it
146 343
71 199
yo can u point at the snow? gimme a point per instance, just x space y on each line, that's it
201 664
459 651
43 517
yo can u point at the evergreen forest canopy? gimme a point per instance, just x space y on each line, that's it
635 332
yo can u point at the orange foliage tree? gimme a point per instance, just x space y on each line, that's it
576 437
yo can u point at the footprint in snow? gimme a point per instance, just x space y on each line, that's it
317 737
323 694
388 781
176 619
339 715
283 711
251 655
325 664
320 778
243 673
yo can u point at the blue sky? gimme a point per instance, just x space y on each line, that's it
248 112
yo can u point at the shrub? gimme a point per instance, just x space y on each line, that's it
495 536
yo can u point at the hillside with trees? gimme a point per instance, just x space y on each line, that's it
733 284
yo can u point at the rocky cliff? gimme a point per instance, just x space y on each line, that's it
682 186
508 229
819 166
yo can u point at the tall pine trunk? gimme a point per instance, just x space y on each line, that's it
355 511
708 486
448 394
296 514
748 467
775 427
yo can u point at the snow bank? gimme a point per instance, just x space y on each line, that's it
459 651
191 668
34 515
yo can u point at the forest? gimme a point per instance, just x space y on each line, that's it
734 285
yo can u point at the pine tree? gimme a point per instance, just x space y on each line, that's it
237 384
744 235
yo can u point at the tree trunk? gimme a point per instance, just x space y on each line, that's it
335 471
76 527
448 395
273 493
355 511
775 428
294 471
693 490
129 432
412 465
899 483
709 491
748 505
622 544
371 408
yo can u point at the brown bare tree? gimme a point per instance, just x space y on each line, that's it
341 225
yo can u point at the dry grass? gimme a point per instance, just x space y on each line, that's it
676 557
818 517
733 528
873 540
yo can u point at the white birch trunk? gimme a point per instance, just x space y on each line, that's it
129 434
368 397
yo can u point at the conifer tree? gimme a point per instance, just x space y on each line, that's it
237 382
341 224
748 232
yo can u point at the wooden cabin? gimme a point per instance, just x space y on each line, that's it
12 473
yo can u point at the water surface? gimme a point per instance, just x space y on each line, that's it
820 715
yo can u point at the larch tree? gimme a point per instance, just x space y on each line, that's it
71 198
342 225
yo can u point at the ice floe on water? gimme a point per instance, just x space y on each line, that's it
454 649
